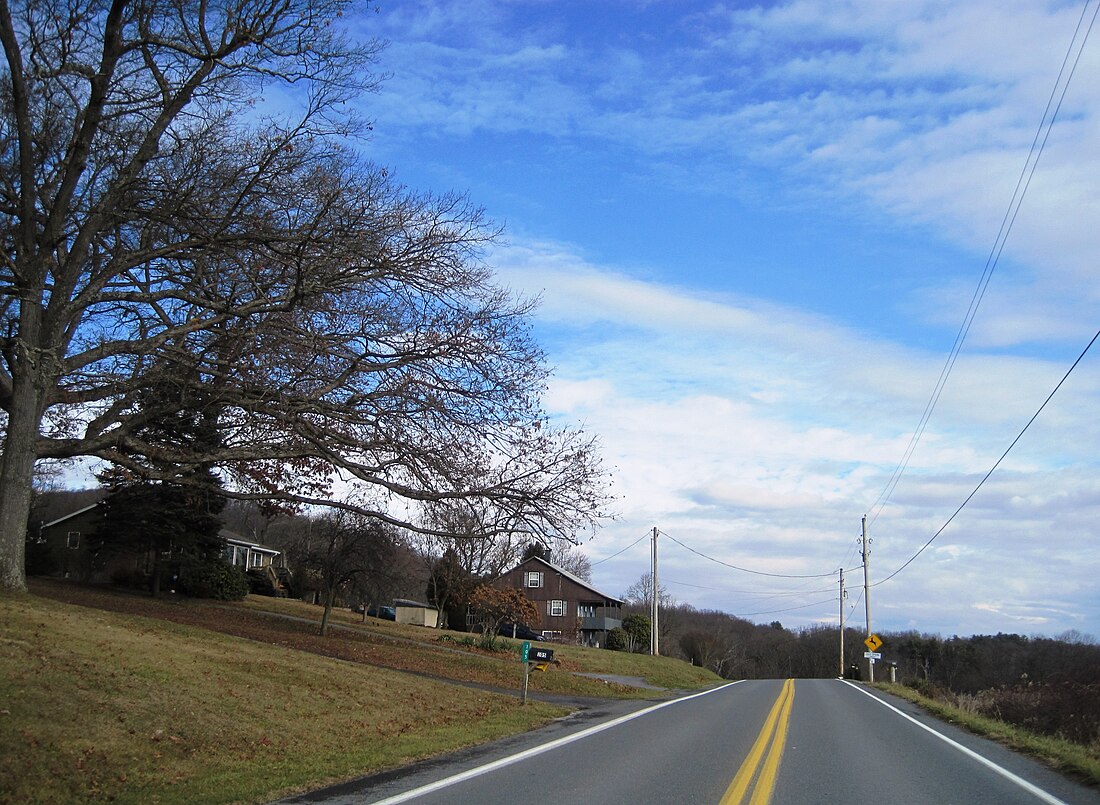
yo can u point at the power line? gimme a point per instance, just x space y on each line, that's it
1022 184
756 593
998 462
624 550
848 555
745 569
777 611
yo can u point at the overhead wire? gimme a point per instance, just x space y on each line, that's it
996 464
778 611
755 593
1022 184
624 550
852 606
848 555
745 569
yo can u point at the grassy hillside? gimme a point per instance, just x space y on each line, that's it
112 697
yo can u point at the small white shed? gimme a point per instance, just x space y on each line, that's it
414 612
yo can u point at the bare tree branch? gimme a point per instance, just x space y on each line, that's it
158 228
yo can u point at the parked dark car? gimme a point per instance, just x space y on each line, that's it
387 613
521 632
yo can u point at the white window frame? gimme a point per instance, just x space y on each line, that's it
556 604
72 540
534 576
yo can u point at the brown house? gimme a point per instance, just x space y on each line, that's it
64 542
571 609
67 544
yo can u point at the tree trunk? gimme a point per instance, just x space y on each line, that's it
158 569
16 471
16 475
330 596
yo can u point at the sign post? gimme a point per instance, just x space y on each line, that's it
524 653
873 643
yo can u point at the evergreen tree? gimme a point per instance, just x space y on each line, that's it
536 550
166 511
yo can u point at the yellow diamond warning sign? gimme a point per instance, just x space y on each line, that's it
873 642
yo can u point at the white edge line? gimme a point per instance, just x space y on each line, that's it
536 750
1020 781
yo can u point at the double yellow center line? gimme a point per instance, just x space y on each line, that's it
774 734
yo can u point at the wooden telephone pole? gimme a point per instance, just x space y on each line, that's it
843 595
654 644
867 594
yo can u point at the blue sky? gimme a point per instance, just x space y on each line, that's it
755 230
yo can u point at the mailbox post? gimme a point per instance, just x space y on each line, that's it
537 657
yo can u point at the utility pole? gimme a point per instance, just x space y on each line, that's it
867 593
654 646
843 595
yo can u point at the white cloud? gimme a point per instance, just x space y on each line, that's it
746 426
758 435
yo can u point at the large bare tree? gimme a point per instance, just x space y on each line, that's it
161 226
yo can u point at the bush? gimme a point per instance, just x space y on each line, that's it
617 639
636 628
260 584
1068 710
218 580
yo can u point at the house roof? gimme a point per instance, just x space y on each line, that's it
229 536
571 577
405 602
70 515
234 538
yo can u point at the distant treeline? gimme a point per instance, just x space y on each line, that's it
736 648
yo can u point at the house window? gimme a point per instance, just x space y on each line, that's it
72 540
532 578
555 607
586 610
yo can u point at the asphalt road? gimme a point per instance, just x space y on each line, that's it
790 743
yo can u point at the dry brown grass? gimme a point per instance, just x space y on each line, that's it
99 705
1079 761
107 696
402 647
